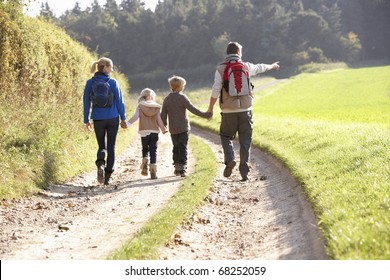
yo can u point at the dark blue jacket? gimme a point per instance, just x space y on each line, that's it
118 105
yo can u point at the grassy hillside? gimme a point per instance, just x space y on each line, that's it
348 96
43 77
332 130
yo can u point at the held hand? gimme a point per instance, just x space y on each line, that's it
124 124
209 115
89 127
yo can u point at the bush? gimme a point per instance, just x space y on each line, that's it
316 55
43 138
319 67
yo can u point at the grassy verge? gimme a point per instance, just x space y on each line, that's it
332 131
344 170
43 138
158 230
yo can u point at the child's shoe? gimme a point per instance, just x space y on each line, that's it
153 171
183 170
144 167
183 173
177 169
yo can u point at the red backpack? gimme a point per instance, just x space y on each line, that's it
236 78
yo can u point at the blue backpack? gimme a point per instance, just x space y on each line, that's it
101 94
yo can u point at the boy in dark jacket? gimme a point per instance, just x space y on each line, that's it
175 108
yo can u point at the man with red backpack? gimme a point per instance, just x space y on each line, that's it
232 86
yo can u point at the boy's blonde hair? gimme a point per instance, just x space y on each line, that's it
145 93
177 83
100 64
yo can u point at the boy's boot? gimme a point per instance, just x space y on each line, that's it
144 166
177 169
100 171
107 176
183 170
153 171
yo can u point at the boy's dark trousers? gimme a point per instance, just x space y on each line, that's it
180 142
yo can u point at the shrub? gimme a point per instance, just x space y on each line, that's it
43 138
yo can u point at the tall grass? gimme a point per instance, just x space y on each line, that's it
332 131
42 136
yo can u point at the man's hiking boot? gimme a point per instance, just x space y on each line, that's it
183 173
229 168
100 174
144 167
153 171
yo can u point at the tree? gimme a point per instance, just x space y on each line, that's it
46 12
188 34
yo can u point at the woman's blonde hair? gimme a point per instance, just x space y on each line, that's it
177 83
145 93
100 64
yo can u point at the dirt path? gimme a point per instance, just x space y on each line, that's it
266 219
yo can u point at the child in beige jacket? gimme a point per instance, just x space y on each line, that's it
150 123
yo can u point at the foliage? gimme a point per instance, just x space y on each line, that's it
185 34
320 67
44 73
331 130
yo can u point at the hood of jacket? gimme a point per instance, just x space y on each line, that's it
231 57
149 108
101 75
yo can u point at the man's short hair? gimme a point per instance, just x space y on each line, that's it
233 48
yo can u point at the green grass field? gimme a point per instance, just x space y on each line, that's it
332 130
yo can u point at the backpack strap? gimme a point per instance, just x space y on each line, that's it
223 75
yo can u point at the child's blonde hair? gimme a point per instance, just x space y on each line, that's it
100 64
145 93
177 83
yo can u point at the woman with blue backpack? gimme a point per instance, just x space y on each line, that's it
104 105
